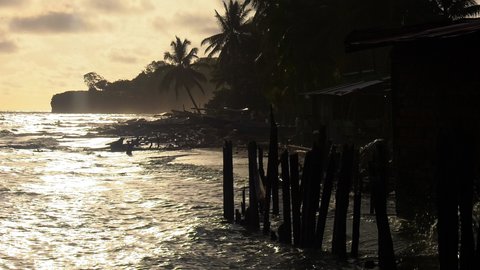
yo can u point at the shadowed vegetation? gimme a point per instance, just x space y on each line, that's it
180 69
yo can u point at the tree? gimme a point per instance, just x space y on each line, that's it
231 44
234 31
237 48
153 66
95 81
298 47
455 9
180 69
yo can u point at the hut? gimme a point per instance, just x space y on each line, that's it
355 112
435 101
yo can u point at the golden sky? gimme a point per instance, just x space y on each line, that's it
47 45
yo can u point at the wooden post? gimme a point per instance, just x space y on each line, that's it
285 234
357 201
326 195
386 255
272 169
296 198
447 206
228 202
271 185
339 241
261 169
252 211
312 177
477 251
455 193
304 189
465 172
243 203
370 181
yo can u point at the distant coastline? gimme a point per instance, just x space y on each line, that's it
102 102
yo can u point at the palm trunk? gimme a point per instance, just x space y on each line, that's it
193 101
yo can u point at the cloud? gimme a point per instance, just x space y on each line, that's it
7 46
115 6
108 5
122 57
52 22
204 25
11 3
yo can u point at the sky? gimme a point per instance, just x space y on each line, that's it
46 46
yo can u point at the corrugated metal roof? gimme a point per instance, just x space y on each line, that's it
345 89
359 40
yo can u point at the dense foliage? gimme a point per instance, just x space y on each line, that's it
270 51
279 48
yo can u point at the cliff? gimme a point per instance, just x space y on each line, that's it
123 102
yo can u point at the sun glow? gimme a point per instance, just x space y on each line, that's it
47 46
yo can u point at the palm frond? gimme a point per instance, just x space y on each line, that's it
212 39
222 21
168 57
471 11
190 56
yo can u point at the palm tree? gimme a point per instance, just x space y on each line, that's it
237 48
180 69
455 9
234 32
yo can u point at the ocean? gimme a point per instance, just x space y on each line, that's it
66 202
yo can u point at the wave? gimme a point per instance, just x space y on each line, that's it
6 132
35 143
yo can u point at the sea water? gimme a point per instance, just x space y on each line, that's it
66 202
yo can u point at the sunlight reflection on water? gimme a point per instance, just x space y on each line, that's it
69 205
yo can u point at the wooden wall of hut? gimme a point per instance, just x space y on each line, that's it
435 90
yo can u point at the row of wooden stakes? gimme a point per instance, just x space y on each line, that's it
306 197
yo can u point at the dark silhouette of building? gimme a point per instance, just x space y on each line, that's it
435 91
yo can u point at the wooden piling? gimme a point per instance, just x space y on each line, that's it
261 170
372 197
305 195
357 201
285 235
243 204
296 198
455 194
386 254
228 200
252 219
272 167
312 177
477 251
271 186
447 207
339 241
465 172
326 195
